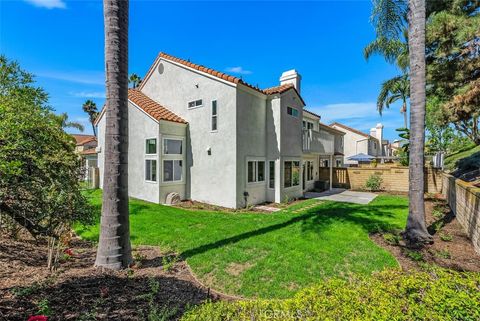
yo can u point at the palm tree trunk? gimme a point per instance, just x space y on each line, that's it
416 233
94 130
404 111
114 251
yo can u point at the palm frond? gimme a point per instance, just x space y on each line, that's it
389 18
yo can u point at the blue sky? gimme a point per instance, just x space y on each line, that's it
61 42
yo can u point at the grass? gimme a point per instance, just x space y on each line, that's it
267 255
467 157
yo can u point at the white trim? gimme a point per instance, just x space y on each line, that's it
274 173
145 170
212 115
299 169
194 101
173 137
156 146
298 115
173 182
256 160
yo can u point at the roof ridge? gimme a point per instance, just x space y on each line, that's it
153 108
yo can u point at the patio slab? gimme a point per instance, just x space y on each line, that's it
343 195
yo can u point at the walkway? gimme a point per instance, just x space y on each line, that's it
343 195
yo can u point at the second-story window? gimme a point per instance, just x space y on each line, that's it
151 146
172 146
292 111
214 115
195 103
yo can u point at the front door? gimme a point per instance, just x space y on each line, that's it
304 176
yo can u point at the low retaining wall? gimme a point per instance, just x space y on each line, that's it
394 179
464 200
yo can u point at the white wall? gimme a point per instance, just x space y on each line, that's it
212 177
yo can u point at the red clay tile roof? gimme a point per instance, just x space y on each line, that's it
90 151
311 113
281 89
330 128
152 108
83 139
351 129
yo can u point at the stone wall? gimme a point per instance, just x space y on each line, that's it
394 178
464 200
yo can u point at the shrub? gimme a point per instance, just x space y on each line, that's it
374 182
389 295
446 237
414 255
391 238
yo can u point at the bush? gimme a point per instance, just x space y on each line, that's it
389 295
374 182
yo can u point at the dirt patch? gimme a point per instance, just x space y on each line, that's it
236 269
451 246
157 283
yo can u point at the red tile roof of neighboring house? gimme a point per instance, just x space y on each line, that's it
330 128
83 139
152 108
352 130
311 113
218 74
90 151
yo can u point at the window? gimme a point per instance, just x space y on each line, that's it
292 173
271 174
214 115
151 170
172 146
255 171
172 170
325 163
151 146
338 162
307 125
195 103
375 145
292 111
309 169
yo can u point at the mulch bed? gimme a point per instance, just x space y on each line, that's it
78 291
455 251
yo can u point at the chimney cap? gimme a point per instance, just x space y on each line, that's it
379 125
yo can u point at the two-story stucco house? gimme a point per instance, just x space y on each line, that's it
356 142
214 138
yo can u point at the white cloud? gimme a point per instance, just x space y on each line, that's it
238 70
86 94
49 4
81 77
341 111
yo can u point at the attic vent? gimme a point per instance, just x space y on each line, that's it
160 68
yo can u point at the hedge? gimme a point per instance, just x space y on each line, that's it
436 294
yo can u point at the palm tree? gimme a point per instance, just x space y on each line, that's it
114 249
65 123
135 80
416 233
397 88
91 109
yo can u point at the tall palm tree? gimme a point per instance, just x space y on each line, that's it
114 250
65 123
416 233
397 88
91 109
135 80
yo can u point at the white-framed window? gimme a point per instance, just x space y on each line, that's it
291 172
325 163
172 146
214 116
195 103
375 145
255 171
151 170
172 170
309 169
338 163
271 174
292 111
151 146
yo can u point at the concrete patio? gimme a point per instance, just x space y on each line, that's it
343 195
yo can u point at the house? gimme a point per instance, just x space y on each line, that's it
85 146
214 138
356 142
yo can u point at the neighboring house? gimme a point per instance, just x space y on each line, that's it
356 142
86 147
214 138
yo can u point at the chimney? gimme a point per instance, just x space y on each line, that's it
291 77
379 132
373 132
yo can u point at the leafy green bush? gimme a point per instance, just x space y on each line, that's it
374 182
389 295
446 237
392 238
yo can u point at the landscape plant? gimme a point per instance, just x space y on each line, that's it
374 182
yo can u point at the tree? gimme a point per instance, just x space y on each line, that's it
65 123
114 249
135 80
397 88
416 233
39 170
91 109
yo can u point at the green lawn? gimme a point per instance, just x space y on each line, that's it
268 255
464 160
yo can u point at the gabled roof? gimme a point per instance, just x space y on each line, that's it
311 113
326 127
149 106
352 130
91 151
81 139
152 108
218 74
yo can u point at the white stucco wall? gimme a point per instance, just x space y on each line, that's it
212 178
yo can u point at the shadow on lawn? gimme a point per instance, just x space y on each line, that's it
372 218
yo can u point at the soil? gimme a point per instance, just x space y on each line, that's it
78 291
451 247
